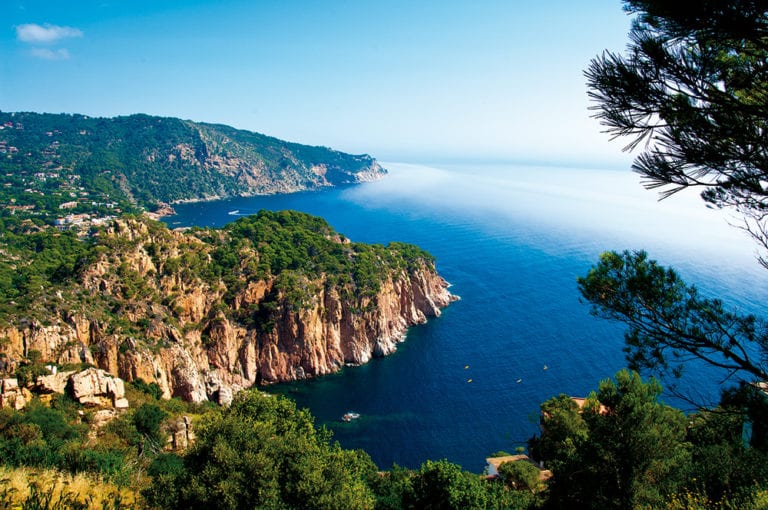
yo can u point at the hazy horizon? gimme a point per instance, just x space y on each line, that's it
405 81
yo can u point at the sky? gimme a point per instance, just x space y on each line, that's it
403 80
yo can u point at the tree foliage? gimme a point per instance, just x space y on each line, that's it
521 475
627 453
147 419
669 322
565 432
729 449
264 453
691 92
442 485
693 85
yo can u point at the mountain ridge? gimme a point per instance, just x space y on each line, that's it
141 162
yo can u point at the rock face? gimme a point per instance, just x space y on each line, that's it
194 348
56 382
11 395
95 387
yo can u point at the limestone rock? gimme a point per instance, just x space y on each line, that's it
12 395
95 387
181 435
53 383
102 417
10 385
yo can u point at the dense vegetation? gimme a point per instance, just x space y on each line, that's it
35 264
622 449
261 452
41 273
57 164
625 449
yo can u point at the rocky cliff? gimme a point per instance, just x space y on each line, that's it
206 313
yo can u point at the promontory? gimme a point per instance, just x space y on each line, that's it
87 279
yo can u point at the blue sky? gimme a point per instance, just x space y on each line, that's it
402 80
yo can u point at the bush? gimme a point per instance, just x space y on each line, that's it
147 419
151 389
520 475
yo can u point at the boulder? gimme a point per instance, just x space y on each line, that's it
11 395
225 396
181 435
10 385
95 387
55 382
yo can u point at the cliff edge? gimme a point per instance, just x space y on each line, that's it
204 313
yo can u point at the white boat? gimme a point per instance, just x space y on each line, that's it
234 213
349 416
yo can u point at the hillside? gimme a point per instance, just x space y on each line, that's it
273 297
58 164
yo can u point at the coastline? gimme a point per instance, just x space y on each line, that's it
166 209
161 212
503 241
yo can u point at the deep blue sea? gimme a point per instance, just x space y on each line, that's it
512 240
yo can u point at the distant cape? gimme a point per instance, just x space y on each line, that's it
151 160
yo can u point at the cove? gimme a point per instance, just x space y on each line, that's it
511 239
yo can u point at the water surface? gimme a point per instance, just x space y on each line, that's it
512 241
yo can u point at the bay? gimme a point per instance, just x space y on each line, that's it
511 239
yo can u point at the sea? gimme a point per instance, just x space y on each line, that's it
512 240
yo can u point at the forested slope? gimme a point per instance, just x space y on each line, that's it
140 161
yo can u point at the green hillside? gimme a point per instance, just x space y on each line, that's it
57 164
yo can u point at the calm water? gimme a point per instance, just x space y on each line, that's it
511 240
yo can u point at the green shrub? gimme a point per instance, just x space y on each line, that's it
152 389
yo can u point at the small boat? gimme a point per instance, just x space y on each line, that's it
349 416
519 381
545 367
469 380
466 367
234 213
